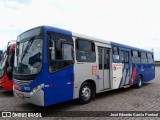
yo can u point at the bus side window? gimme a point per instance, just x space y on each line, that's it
115 54
51 50
143 57
67 51
125 57
135 56
150 58
106 59
60 51
100 57
85 51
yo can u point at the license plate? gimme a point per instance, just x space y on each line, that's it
20 95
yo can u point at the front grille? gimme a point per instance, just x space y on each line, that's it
22 82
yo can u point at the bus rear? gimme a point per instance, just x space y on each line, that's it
132 66
6 67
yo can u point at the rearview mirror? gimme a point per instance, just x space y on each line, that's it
9 69
17 48
8 50
17 51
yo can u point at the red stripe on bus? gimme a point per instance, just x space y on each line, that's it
133 76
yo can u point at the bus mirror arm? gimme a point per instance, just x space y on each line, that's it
8 50
17 49
9 69
73 53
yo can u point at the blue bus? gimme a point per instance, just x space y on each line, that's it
53 65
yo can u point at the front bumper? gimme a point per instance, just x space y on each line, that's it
36 98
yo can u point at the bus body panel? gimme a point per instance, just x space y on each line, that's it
61 82
58 87
127 66
84 71
117 74
61 85
6 83
147 71
23 88
80 77
37 98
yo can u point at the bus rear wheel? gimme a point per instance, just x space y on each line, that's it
85 93
139 82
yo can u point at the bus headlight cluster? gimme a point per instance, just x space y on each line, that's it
37 88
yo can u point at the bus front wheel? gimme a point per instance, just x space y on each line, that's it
139 82
85 93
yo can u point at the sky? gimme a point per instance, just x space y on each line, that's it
131 22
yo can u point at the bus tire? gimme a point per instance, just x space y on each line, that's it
85 93
139 82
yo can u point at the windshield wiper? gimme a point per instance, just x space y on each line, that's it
24 53
27 47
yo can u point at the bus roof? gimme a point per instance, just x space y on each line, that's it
130 47
67 32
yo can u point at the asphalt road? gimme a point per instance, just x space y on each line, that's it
146 98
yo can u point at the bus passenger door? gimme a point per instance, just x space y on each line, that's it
104 73
125 57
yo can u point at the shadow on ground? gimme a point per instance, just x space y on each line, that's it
6 93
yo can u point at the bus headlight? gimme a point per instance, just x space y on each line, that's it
37 88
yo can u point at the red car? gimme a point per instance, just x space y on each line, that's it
6 67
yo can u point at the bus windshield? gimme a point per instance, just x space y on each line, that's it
2 64
28 58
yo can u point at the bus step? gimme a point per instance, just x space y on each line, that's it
126 86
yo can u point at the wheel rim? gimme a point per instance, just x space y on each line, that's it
140 81
86 93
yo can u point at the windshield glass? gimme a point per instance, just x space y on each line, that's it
2 64
28 58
